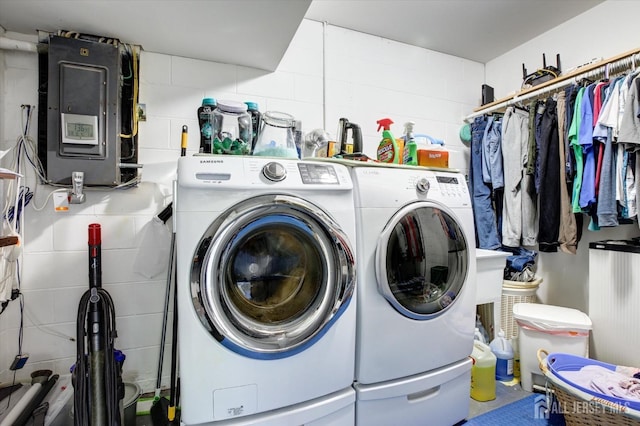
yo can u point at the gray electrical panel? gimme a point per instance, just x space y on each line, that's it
83 121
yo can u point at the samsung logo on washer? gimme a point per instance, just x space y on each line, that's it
211 161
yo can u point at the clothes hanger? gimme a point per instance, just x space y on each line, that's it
520 106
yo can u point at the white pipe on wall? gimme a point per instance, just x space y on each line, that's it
10 44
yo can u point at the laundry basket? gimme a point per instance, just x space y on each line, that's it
580 406
516 292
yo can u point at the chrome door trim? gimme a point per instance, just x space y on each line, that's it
243 334
381 253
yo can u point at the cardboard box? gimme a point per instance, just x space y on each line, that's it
433 158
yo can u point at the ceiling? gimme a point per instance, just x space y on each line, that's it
256 33
480 30
253 33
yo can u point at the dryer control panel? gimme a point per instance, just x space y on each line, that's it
452 186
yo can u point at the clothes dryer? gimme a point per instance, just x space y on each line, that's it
416 294
266 278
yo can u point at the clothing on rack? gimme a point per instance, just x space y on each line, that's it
576 148
585 139
549 172
570 94
481 193
564 157
567 232
607 210
492 171
519 222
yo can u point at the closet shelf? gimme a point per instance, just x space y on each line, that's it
625 60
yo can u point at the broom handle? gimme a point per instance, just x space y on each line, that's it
174 350
165 316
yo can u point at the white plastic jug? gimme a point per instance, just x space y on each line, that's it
483 372
503 351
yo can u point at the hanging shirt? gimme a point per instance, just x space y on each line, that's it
540 108
630 122
624 92
570 93
630 189
599 96
585 139
577 151
609 118
492 170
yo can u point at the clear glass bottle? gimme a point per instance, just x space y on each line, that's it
276 136
231 128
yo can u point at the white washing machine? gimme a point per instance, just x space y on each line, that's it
266 277
416 295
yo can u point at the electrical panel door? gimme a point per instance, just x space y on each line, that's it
83 97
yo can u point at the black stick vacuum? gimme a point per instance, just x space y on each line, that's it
97 375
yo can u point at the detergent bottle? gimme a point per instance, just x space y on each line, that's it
503 351
410 152
388 151
205 121
483 372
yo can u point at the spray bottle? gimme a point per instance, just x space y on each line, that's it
410 153
388 151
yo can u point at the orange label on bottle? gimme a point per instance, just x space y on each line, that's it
400 143
386 151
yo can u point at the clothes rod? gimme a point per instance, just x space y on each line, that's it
599 67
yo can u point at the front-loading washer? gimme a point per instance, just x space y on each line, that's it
416 294
266 278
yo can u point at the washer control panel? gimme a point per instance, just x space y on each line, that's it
317 173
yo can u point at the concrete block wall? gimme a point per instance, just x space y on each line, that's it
326 73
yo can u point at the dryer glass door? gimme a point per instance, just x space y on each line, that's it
422 260
271 276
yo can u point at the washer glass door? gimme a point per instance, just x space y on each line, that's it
271 275
422 260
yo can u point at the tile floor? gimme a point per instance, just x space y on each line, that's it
505 394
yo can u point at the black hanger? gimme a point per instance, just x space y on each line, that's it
584 82
521 107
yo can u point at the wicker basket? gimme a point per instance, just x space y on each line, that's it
580 408
515 292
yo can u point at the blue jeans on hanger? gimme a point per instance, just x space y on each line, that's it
483 213
492 172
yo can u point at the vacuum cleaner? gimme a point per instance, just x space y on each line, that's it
97 373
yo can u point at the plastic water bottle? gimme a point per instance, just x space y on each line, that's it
503 351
